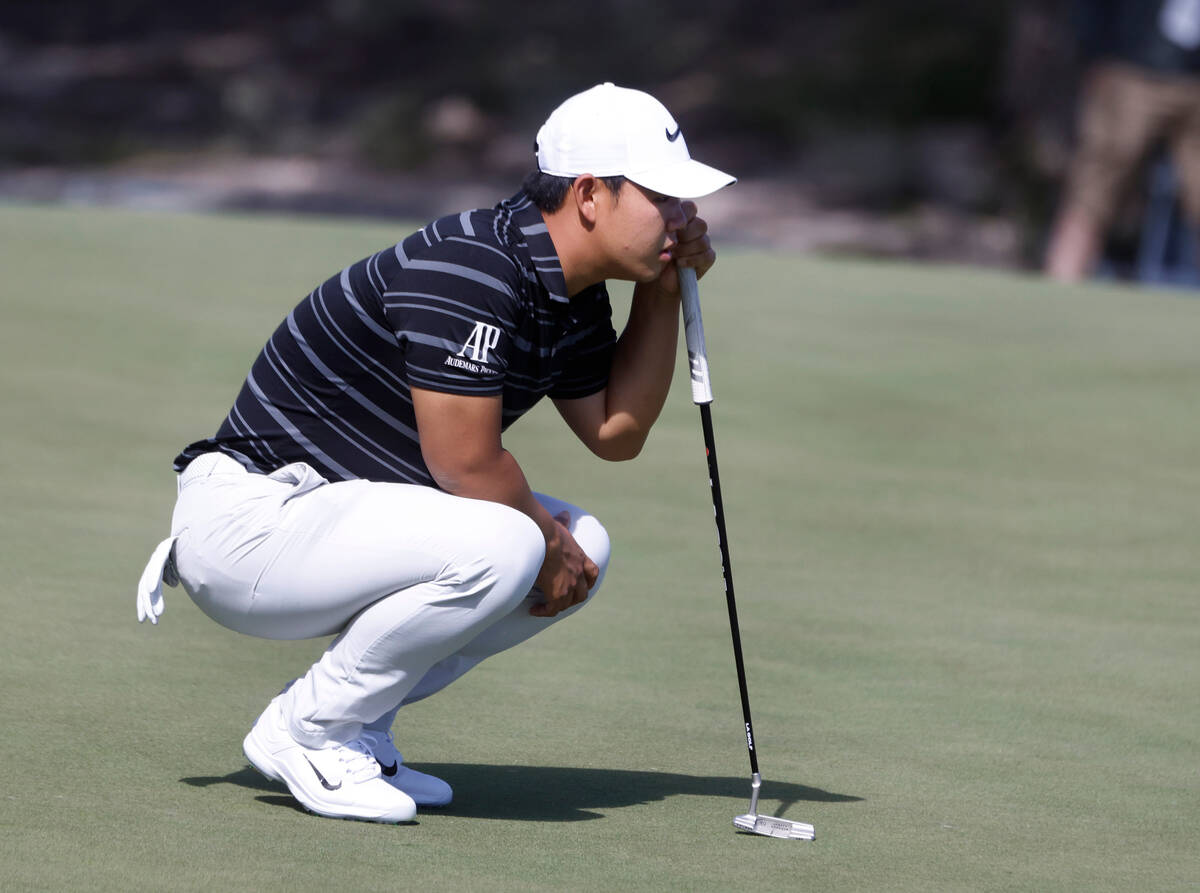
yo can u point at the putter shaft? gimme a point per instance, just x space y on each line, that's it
702 396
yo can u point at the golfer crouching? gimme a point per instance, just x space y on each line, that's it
359 486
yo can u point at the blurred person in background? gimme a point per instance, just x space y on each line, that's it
1140 89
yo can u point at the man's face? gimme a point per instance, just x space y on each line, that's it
638 228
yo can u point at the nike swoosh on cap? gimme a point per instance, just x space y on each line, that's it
671 137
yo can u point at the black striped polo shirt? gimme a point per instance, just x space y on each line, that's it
473 303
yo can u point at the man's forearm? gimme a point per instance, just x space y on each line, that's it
501 480
644 362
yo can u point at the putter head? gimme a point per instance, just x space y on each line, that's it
771 826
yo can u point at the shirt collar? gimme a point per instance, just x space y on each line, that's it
527 219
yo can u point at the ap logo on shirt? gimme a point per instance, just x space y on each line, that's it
483 338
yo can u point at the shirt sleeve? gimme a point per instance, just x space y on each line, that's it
453 309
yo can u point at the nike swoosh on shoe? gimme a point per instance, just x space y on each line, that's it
325 784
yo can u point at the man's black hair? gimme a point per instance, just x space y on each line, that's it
548 191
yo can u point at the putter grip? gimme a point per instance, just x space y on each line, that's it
693 331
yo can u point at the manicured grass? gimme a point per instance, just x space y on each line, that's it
964 510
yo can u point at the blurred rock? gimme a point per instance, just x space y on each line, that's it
778 214
870 126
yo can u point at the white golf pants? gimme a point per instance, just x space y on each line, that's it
418 586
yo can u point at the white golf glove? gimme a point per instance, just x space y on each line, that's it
160 569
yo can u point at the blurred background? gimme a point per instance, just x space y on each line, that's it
931 129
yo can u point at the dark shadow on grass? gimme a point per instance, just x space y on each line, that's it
566 793
245 777
285 800
248 778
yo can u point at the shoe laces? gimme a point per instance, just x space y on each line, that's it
357 761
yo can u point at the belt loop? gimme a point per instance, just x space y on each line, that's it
206 465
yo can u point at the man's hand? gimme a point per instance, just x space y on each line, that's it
567 573
693 249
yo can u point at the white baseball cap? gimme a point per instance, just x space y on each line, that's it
609 131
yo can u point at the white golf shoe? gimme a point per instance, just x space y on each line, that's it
340 781
426 790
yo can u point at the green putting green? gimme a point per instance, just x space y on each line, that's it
964 513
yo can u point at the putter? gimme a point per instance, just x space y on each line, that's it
768 826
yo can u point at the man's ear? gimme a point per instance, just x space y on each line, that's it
583 193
